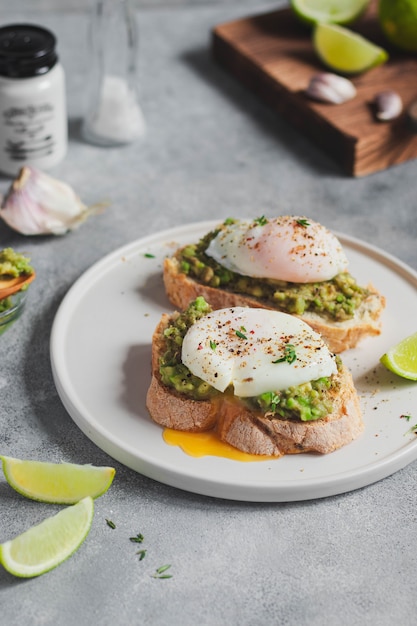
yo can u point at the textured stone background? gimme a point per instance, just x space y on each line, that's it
212 150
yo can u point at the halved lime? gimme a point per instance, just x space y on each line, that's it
402 358
398 20
329 11
344 51
43 547
58 483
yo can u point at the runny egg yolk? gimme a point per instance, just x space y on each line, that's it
290 248
208 444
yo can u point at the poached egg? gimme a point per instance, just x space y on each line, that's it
255 350
290 248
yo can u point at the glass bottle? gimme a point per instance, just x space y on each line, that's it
113 115
33 117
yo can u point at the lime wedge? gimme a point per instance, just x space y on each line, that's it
329 11
402 358
344 51
58 483
398 20
43 547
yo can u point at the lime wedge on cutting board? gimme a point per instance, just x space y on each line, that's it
402 358
333 11
46 545
344 51
58 483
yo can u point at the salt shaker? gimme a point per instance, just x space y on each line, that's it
114 116
33 117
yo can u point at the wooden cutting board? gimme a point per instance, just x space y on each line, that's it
272 55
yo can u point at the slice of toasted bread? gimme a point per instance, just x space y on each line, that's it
253 431
165 405
339 336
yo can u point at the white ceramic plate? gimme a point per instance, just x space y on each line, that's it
101 351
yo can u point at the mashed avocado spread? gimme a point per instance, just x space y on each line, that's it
306 402
5 304
336 299
13 264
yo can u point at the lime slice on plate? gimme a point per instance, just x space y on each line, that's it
344 51
43 547
334 11
58 483
402 358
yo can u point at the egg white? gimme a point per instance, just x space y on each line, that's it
291 248
243 347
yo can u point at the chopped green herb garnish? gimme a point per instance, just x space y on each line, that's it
289 354
240 335
274 401
261 221
138 539
148 255
110 523
213 345
142 554
303 222
159 573
406 417
229 220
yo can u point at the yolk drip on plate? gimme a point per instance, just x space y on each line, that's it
208 444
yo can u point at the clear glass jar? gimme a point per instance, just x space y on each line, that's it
113 116
33 117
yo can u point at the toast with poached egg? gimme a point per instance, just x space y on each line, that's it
263 380
289 264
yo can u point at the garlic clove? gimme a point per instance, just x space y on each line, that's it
37 204
388 105
331 88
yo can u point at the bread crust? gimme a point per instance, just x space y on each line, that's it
339 336
169 408
252 431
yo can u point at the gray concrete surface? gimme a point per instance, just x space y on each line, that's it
212 150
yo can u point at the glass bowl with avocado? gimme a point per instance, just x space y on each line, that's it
16 274
10 309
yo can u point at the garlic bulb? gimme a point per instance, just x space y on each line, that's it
37 204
